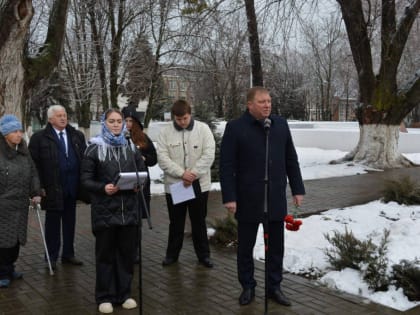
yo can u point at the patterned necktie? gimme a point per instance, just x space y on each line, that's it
63 143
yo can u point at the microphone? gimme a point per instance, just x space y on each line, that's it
267 123
127 136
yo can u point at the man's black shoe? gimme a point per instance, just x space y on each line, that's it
71 261
168 261
279 297
247 296
206 262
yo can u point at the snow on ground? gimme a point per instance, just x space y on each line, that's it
304 249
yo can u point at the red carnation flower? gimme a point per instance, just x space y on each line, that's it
291 223
298 222
292 227
289 219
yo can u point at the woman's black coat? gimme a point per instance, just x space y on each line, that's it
120 208
150 159
18 182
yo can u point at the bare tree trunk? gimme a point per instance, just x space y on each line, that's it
79 62
374 139
15 18
116 37
254 44
19 73
159 38
49 55
153 91
382 104
100 55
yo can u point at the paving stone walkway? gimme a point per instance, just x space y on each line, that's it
188 288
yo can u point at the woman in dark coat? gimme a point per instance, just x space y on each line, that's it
148 153
18 182
114 211
144 144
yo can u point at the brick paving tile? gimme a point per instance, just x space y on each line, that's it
186 287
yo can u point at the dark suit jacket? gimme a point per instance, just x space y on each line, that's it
242 167
44 148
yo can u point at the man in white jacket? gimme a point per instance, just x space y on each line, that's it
185 151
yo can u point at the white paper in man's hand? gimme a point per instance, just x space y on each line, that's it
180 193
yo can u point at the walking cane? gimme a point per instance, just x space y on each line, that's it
37 209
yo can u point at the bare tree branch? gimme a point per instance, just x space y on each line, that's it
357 32
40 66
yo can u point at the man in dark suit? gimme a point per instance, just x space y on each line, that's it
57 152
242 174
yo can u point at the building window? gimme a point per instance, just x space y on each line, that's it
172 93
183 86
172 85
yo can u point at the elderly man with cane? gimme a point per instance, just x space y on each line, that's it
57 151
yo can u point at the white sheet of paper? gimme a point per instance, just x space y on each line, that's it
128 180
180 193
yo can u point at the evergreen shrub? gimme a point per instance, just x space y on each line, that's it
406 275
403 191
226 234
350 252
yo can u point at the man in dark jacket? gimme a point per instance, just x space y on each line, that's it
57 152
242 178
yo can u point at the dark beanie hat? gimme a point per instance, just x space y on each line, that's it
8 124
130 111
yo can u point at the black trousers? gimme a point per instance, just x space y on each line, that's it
197 210
8 257
57 221
114 249
247 233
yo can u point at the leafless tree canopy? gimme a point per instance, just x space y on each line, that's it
102 53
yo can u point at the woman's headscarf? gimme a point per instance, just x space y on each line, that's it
109 137
109 144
